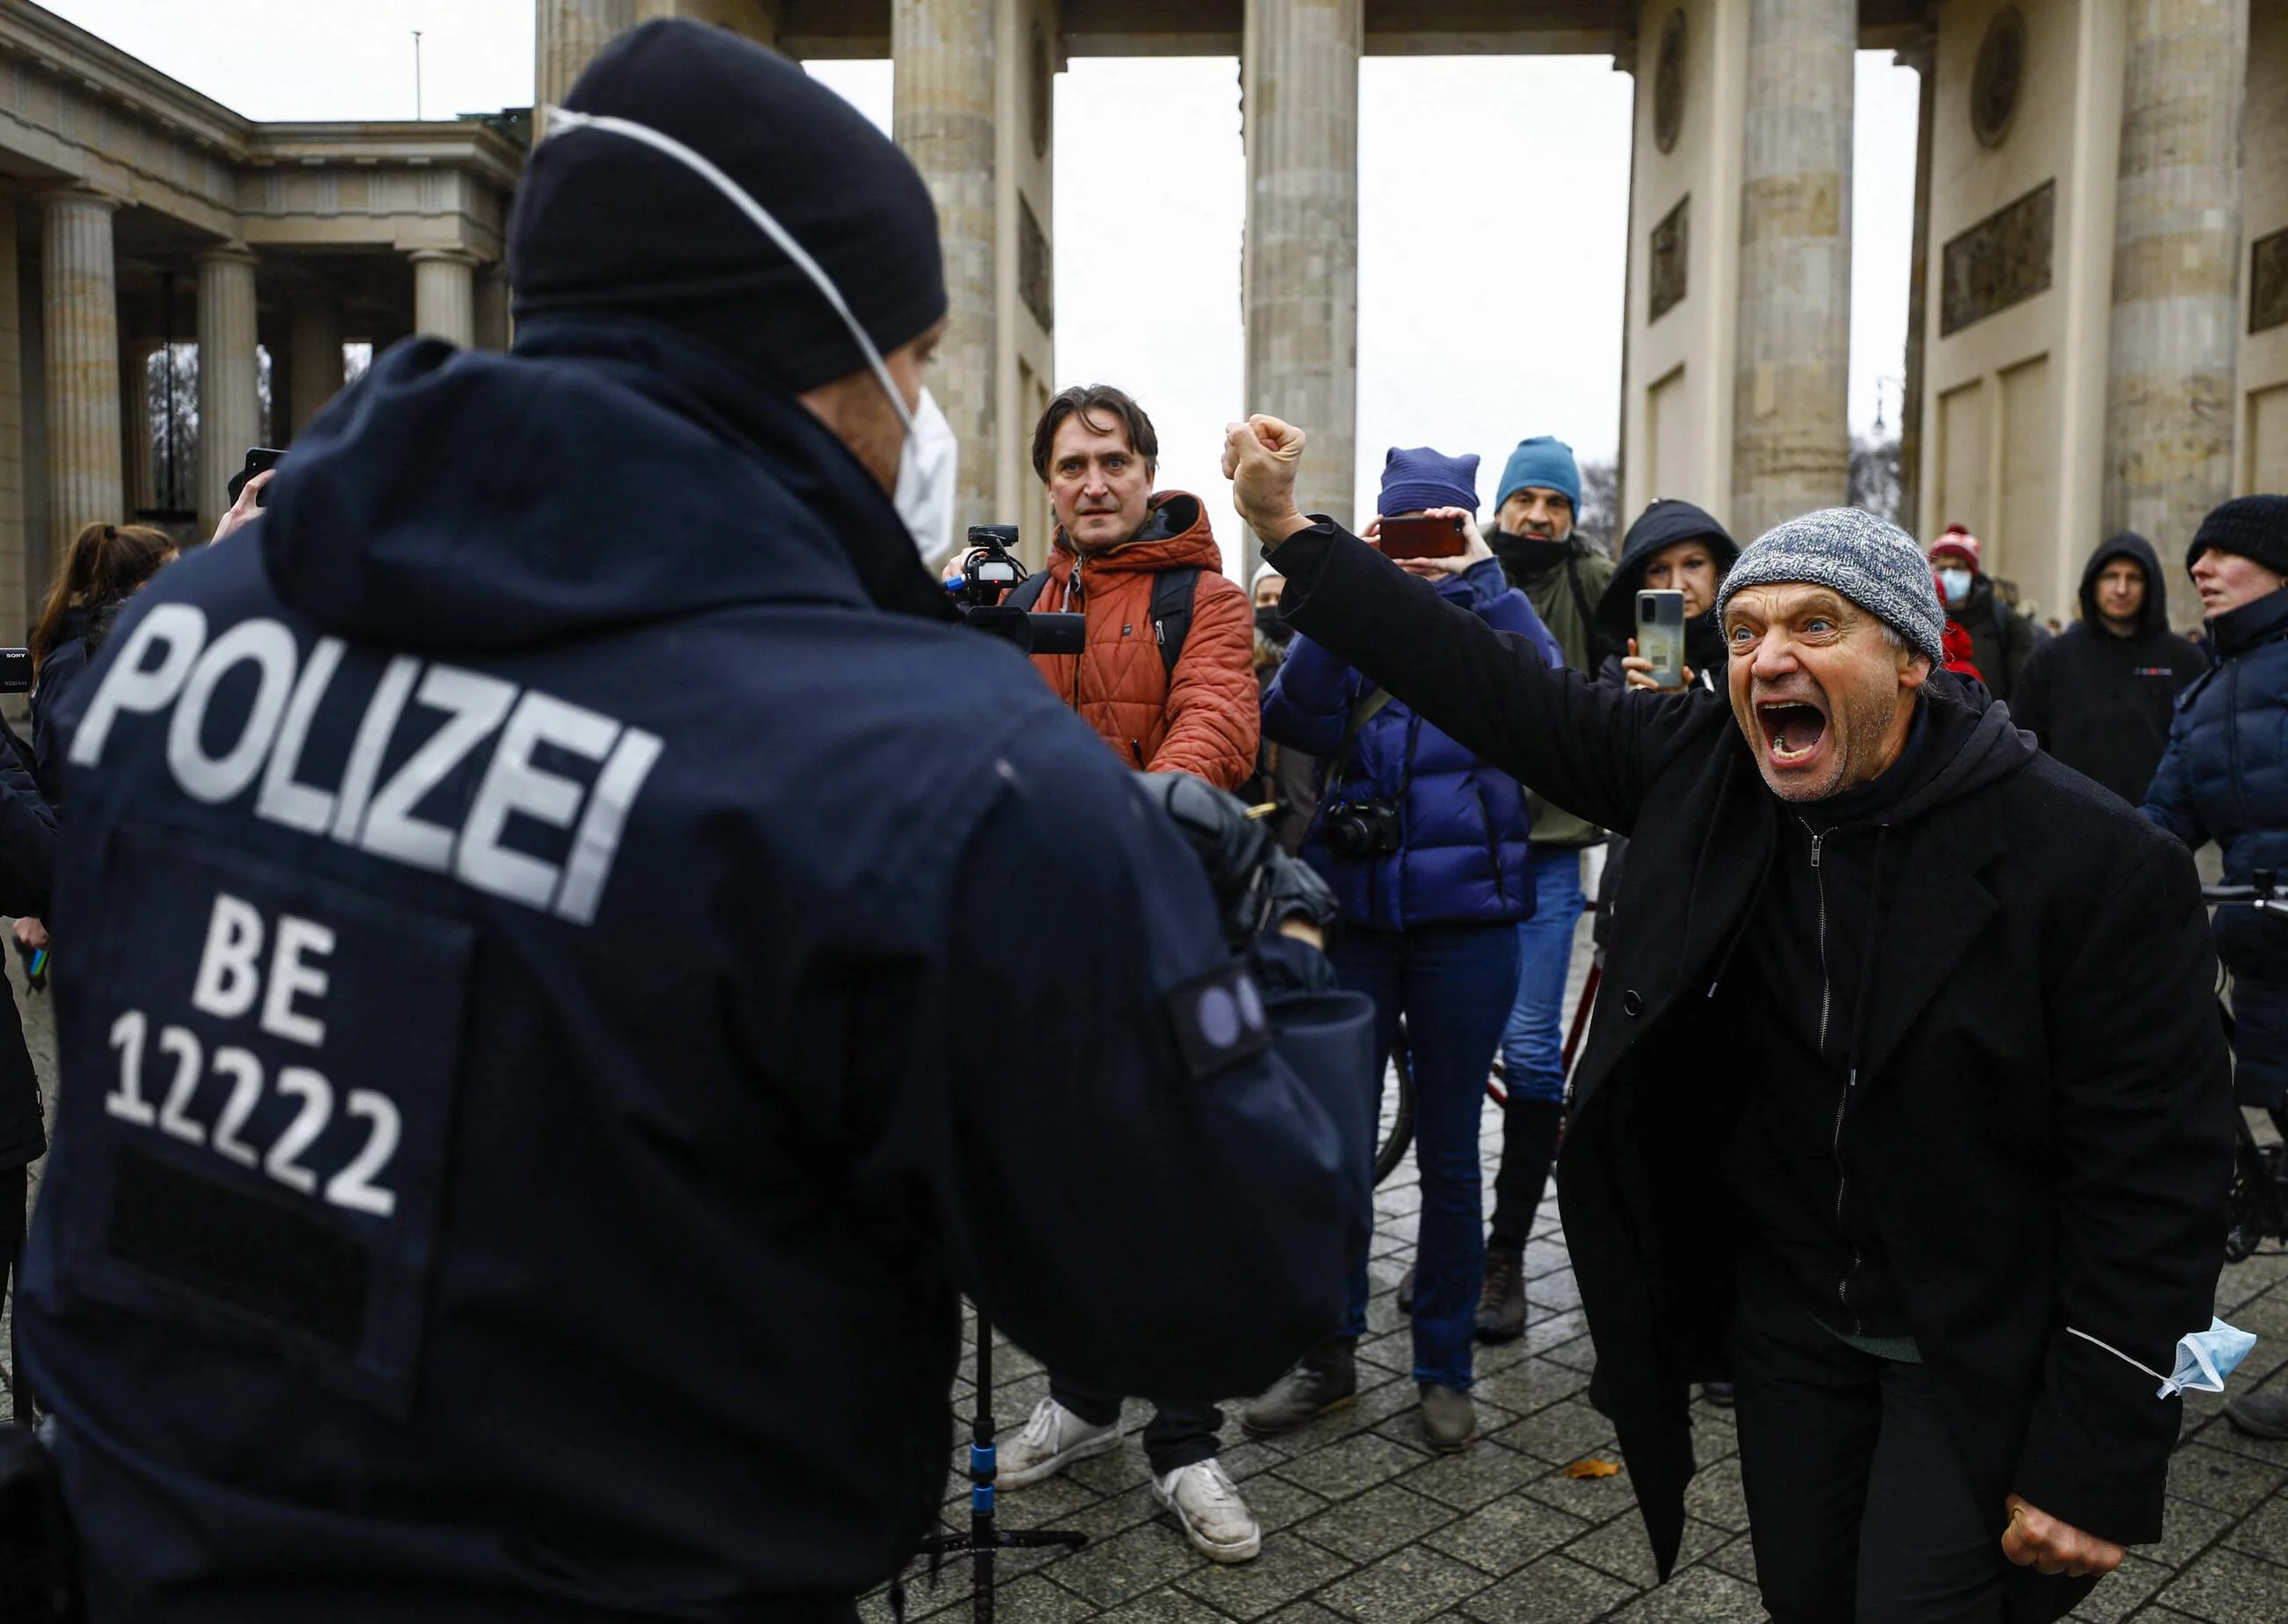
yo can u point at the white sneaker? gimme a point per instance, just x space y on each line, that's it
1216 1520
1052 1440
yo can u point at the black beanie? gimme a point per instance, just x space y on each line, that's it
2254 527
604 223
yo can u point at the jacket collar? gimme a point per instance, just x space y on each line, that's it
2238 631
1937 903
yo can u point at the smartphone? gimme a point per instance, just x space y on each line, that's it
1423 538
257 458
1660 636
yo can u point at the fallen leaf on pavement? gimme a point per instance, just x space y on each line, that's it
1593 1467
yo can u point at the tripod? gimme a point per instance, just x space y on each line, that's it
983 1539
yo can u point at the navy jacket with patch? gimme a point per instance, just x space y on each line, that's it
565 995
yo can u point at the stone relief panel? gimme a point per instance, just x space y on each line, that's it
1999 75
2267 281
2002 260
1036 284
1671 244
1668 84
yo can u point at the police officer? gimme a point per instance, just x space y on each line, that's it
565 991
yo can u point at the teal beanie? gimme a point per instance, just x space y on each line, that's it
1546 462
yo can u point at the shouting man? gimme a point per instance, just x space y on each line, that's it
1958 1186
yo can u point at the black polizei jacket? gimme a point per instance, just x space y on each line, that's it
2041 1121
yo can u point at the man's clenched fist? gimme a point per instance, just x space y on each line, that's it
2036 1540
1259 458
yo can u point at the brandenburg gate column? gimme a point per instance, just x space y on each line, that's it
230 402
1791 430
2170 392
316 353
567 34
80 326
1299 100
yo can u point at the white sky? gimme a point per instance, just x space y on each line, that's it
1492 237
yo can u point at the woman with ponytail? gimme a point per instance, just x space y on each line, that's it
106 565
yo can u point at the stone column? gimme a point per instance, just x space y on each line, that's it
942 112
2171 382
567 34
80 330
1791 371
1298 101
135 420
1923 58
316 349
445 295
230 401
494 328
12 605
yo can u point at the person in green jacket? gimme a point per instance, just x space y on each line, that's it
1563 577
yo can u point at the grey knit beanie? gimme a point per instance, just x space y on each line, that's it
1869 560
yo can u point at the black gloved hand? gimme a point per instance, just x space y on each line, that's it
1257 885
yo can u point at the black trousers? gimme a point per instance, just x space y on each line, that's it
1179 1435
1858 1504
15 1190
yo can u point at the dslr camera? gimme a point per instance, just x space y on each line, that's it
989 572
1355 829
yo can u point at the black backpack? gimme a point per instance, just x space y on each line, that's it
1172 592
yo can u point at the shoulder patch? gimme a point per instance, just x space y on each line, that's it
1219 1021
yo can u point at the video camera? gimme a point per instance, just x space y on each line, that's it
988 573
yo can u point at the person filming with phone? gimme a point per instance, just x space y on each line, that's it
1664 592
1956 1188
566 996
1425 847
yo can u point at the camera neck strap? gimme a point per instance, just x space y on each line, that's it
1363 712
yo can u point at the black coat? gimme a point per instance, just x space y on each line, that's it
2042 1123
2101 702
27 840
2001 639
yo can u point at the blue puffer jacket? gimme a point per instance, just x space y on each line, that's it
1464 826
2225 777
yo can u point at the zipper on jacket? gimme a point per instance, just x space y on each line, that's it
1826 980
1851 1076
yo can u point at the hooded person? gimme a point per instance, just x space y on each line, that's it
2099 695
2001 639
1675 546
414 1250
1953 1190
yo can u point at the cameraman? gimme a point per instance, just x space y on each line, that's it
569 997
1425 847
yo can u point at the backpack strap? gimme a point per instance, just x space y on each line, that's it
1172 592
1028 592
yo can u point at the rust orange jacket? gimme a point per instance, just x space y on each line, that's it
1202 719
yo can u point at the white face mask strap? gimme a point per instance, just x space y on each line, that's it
561 120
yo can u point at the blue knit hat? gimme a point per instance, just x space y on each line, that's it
1543 461
1415 478
1869 560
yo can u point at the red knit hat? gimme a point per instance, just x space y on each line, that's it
1956 540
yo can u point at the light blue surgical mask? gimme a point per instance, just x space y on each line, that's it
1955 584
929 467
2205 1359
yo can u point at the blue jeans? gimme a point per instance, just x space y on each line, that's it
1453 984
1533 1044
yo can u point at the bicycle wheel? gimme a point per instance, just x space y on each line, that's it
2252 1214
1397 1110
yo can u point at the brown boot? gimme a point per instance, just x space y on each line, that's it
1501 1306
1324 1381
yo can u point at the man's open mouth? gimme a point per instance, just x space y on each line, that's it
1792 729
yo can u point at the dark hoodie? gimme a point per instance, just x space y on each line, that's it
2101 702
650 1305
1664 524
1813 940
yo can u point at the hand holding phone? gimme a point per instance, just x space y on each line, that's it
1660 636
1423 536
